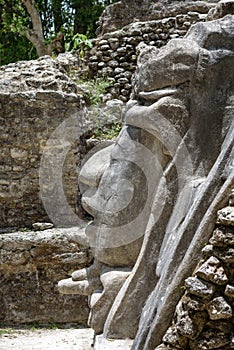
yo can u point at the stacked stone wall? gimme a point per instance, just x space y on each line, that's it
204 316
115 54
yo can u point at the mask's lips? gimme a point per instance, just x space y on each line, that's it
157 94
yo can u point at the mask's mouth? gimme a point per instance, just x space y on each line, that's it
155 95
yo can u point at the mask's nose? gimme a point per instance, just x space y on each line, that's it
92 171
90 176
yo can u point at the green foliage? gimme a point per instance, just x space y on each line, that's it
14 17
53 325
25 229
95 89
73 17
4 331
107 132
15 48
79 42
33 327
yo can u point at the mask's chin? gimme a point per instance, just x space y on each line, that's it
107 247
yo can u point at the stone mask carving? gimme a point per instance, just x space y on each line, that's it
157 182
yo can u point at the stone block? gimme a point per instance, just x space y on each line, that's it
31 264
229 291
199 288
225 216
212 271
218 309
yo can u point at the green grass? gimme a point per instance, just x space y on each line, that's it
25 229
5 331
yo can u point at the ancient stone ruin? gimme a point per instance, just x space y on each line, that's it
162 244
36 96
154 267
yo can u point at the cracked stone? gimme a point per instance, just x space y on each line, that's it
212 271
164 347
207 250
227 256
229 291
218 309
225 216
187 328
41 226
209 340
199 288
191 302
224 326
172 337
221 238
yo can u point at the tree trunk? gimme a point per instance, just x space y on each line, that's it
36 35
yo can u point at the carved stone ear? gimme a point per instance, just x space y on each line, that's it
204 60
208 58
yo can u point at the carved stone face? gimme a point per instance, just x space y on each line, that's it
121 203
167 86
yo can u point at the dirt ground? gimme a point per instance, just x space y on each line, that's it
46 339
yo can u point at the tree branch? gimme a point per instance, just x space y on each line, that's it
36 35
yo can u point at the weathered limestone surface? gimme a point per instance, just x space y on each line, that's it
204 316
102 300
124 12
42 120
187 225
31 263
36 97
105 344
163 181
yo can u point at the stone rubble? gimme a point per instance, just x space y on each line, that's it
206 323
40 226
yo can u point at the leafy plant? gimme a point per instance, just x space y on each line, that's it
53 326
34 327
78 43
95 89
25 229
107 132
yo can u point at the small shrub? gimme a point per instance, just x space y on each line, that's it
107 132
79 42
95 88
